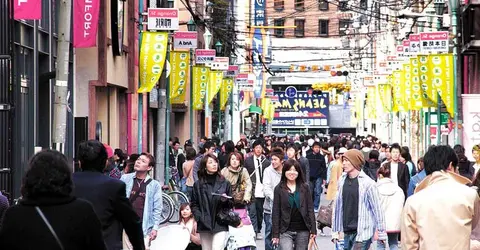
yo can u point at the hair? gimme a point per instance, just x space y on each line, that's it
406 154
286 167
202 170
120 154
279 144
374 154
294 146
258 142
439 158
175 143
48 174
207 145
384 171
395 146
92 155
151 159
190 154
278 152
367 144
182 207
316 143
238 156
229 147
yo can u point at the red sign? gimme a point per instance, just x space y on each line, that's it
27 9
414 38
185 35
399 48
242 76
233 68
85 23
163 13
406 43
434 36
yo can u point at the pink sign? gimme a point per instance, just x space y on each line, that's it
85 23
27 9
406 43
434 36
185 35
471 122
414 37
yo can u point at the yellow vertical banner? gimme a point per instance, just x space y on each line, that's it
417 100
153 51
385 95
179 61
407 86
225 90
200 81
271 112
397 91
371 102
426 80
214 84
441 67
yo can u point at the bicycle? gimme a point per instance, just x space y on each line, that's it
172 200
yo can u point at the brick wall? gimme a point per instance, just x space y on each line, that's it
311 14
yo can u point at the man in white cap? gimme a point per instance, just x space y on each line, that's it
357 212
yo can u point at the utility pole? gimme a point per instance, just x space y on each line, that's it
60 103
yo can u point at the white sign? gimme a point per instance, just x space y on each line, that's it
434 42
243 83
414 43
232 71
204 56
185 40
471 122
219 63
162 19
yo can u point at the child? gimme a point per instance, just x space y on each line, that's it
189 222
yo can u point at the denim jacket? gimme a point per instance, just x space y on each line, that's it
152 211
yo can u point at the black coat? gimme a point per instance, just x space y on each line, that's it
205 205
282 210
403 177
318 167
108 197
250 166
73 220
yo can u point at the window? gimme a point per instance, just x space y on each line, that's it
363 4
322 4
300 27
279 32
278 4
323 27
299 4
343 26
342 6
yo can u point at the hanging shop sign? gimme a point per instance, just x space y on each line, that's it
162 19
414 43
219 63
28 9
232 71
185 40
152 59
85 23
204 56
301 110
434 42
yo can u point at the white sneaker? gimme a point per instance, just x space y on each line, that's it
259 236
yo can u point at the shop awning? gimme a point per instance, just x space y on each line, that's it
255 109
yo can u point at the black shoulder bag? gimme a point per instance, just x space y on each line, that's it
143 189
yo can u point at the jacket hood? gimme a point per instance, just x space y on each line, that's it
387 187
273 171
441 175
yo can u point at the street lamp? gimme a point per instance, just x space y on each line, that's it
218 48
207 37
191 26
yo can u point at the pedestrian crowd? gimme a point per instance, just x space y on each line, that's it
377 196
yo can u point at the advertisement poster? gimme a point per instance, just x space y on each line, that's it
303 110
225 90
178 75
152 59
200 81
471 123
258 48
442 75
214 84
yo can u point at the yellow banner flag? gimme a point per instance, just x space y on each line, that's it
371 102
417 100
178 75
428 90
385 94
214 84
152 59
407 86
225 91
443 75
200 81
397 91
271 112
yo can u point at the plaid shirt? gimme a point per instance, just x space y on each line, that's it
370 214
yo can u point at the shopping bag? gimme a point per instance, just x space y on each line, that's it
339 245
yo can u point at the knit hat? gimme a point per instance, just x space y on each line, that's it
109 150
355 157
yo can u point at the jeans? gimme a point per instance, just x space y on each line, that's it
268 231
350 243
294 240
316 190
255 211
392 242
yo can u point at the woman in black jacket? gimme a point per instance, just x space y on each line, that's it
48 217
209 195
293 219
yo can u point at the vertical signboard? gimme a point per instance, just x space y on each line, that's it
257 47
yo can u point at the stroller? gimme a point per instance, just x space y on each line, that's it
241 238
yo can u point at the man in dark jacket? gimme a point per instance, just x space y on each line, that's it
108 197
372 165
318 173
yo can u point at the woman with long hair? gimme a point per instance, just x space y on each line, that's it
210 194
293 219
187 220
294 152
48 216
239 179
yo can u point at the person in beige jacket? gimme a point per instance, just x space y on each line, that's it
335 174
239 178
443 211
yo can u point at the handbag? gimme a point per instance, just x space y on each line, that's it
39 211
226 216
238 193
324 217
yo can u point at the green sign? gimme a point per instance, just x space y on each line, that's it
443 118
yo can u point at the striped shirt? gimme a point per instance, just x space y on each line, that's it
370 214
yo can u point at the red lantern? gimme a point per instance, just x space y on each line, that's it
333 73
